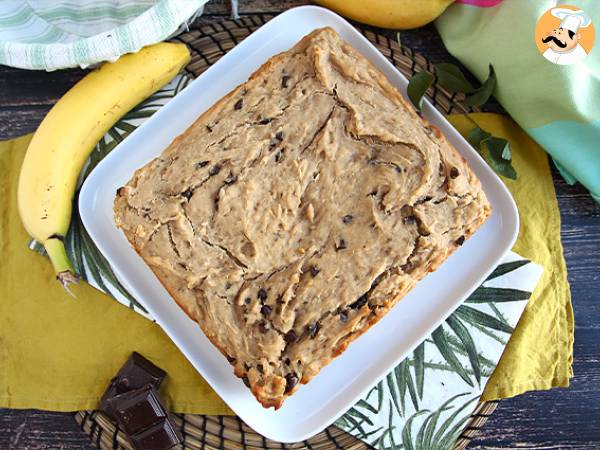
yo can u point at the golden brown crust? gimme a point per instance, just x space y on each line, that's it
298 210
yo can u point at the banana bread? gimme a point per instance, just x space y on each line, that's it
293 214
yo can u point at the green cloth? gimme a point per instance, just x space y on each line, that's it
557 105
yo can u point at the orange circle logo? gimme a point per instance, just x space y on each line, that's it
564 35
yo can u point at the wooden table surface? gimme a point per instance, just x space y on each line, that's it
561 418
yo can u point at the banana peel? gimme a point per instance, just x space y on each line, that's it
70 131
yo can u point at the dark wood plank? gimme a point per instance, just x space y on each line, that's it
40 430
562 418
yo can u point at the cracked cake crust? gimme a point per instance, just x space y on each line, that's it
293 214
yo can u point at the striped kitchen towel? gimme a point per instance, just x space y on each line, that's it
57 34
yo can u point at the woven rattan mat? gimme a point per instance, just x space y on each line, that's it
209 43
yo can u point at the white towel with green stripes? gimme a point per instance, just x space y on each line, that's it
57 34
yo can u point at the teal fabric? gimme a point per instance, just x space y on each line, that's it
579 156
558 106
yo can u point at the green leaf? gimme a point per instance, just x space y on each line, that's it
497 148
393 391
359 415
497 295
401 382
469 345
441 437
391 428
452 78
355 425
478 136
439 339
483 93
407 432
361 403
432 421
505 268
475 316
417 86
420 439
419 361
411 386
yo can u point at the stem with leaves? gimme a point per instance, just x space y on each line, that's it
494 149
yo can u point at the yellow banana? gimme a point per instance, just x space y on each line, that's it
396 14
70 131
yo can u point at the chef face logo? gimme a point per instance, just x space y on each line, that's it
564 35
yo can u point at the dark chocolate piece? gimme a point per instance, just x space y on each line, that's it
160 436
137 410
138 372
135 373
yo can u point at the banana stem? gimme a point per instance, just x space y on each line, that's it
65 273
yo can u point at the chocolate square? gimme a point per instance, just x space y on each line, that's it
137 410
160 436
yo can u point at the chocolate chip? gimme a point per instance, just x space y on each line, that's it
291 380
187 194
460 240
406 210
341 245
344 316
284 81
246 381
347 218
373 193
290 337
201 164
262 327
121 191
209 129
262 294
287 361
313 329
227 285
454 172
248 300
279 135
409 220
238 104
247 367
441 168
398 169
314 271
230 359
362 300
214 170
230 179
260 368
279 155
265 121
265 310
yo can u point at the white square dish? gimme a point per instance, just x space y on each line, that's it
340 384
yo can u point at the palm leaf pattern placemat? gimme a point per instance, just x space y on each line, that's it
425 401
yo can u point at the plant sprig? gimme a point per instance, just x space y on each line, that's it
496 150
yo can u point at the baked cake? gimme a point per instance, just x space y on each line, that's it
294 213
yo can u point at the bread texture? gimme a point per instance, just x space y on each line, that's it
294 213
